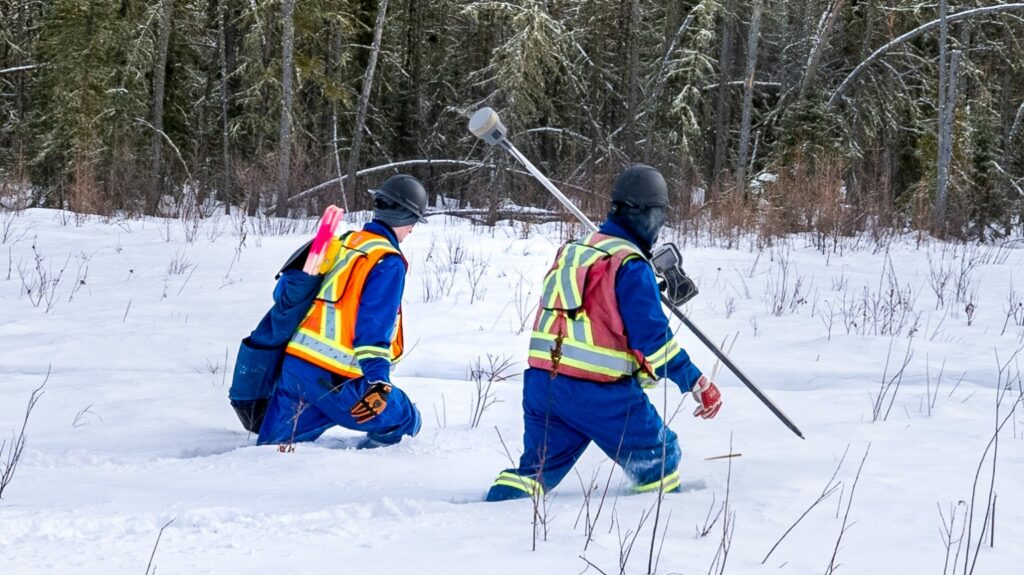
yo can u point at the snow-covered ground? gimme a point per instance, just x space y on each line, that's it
134 432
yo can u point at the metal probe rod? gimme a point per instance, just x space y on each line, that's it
486 125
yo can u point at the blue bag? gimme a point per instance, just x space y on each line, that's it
259 355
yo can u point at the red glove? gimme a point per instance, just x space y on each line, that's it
708 398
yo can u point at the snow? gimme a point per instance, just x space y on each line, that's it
134 430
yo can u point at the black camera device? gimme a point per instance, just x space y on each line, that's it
677 286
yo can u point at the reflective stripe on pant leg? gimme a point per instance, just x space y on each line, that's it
670 482
526 484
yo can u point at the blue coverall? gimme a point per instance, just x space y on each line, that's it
308 399
564 414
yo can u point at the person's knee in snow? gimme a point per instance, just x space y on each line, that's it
349 328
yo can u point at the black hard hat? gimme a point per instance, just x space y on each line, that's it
640 186
400 201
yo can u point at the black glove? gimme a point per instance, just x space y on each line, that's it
372 403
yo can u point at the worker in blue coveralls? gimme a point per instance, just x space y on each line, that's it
336 365
599 331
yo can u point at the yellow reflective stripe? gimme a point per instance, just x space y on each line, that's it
370 351
555 294
520 482
547 320
615 245
570 282
347 256
670 482
598 254
561 284
557 281
588 328
564 279
665 354
375 244
547 297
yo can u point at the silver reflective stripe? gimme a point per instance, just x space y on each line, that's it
577 330
568 295
549 290
331 322
547 320
576 353
327 351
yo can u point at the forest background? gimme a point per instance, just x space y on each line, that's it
768 116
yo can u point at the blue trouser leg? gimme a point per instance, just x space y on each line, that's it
563 415
550 449
630 432
399 418
291 416
326 401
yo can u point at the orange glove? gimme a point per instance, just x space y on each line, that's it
373 403
708 398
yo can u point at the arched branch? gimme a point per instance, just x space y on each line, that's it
845 85
471 164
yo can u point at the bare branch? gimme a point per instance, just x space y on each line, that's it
20 69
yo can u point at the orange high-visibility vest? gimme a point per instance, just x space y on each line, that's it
578 330
326 336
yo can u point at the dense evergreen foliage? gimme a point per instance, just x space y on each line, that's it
164 105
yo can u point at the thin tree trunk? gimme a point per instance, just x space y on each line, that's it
408 130
1018 122
364 97
159 76
748 94
943 63
947 119
723 109
284 148
820 42
942 168
19 89
627 22
225 143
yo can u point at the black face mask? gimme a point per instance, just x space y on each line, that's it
393 214
644 223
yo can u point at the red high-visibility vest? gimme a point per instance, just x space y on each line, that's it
578 330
